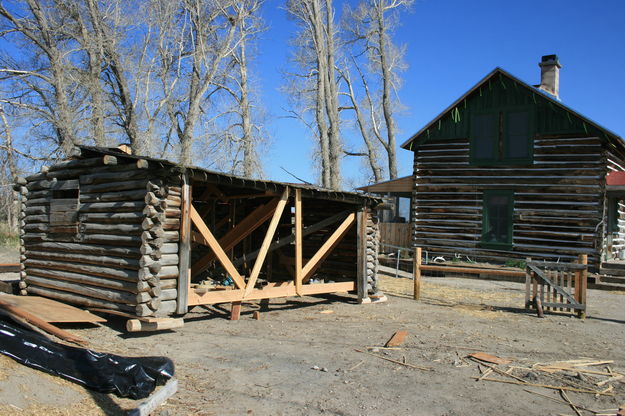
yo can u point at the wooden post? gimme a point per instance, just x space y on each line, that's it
299 227
583 259
528 280
184 269
235 311
417 273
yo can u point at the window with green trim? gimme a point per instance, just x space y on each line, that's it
497 218
502 137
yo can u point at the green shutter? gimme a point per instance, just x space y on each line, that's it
518 136
485 137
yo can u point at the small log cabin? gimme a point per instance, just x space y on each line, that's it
508 172
146 237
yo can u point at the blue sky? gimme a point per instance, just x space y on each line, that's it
451 45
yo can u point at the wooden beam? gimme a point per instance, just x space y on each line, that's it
273 225
288 240
271 290
299 275
324 251
184 249
234 236
217 249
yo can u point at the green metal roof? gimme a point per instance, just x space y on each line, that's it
501 89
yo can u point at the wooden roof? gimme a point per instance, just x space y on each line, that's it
399 185
205 175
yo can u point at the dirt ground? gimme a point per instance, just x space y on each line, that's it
301 357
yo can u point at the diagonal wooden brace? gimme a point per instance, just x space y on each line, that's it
238 233
273 225
325 250
217 249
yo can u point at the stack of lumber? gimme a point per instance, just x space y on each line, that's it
102 232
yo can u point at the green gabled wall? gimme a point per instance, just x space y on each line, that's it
501 91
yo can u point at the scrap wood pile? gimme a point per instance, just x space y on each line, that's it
597 378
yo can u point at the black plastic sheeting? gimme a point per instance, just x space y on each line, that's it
107 373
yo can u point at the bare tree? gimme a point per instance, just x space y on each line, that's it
316 55
370 27
47 87
367 126
9 173
244 133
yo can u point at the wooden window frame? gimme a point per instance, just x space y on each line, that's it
502 144
490 244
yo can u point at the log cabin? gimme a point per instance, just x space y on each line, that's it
146 237
508 172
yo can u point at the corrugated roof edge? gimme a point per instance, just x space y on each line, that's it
239 181
606 131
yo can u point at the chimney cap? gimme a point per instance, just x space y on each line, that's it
550 60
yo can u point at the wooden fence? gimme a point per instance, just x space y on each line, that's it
397 234
557 286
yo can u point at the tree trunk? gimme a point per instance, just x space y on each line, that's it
386 92
331 101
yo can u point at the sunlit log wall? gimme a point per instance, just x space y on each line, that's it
102 232
559 201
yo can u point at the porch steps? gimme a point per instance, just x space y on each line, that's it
611 276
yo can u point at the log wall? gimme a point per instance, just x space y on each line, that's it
559 203
102 232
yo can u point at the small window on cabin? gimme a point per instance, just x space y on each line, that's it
64 212
501 137
497 218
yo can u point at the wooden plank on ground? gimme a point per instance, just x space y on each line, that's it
23 315
489 358
51 310
397 339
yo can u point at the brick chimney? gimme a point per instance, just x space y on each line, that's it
550 75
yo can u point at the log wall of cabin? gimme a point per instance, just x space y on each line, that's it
102 232
558 200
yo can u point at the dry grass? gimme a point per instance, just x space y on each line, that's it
473 302
8 238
